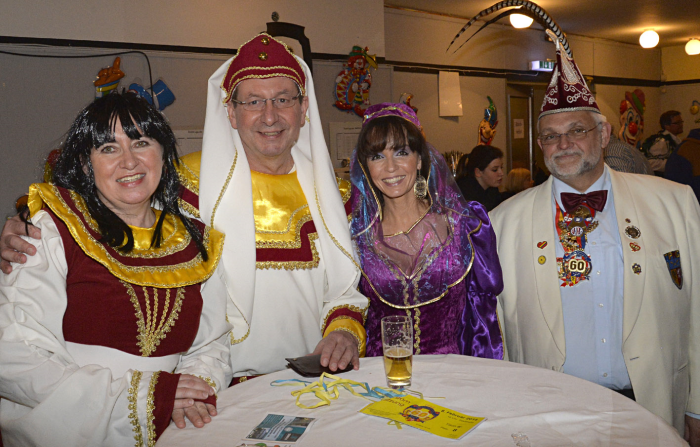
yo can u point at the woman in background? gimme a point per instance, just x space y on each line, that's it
484 176
517 180
424 251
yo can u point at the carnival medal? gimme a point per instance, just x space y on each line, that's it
573 229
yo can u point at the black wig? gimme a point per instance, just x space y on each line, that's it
94 127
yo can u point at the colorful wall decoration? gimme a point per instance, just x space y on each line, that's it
487 126
632 117
353 83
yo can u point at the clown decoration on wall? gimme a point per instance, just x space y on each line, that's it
487 126
632 117
353 83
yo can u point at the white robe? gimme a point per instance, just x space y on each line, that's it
53 392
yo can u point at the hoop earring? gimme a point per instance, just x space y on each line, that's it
420 187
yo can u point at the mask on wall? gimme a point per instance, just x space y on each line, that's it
632 117
487 126
353 83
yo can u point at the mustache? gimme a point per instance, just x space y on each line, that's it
567 152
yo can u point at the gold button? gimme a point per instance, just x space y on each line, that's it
265 41
541 260
263 56
242 379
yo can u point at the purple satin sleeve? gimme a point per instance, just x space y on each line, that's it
482 336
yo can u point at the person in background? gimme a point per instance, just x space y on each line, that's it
602 268
623 157
484 176
105 333
683 166
517 180
424 251
658 147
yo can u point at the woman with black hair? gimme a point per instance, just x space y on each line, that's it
484 174
104 335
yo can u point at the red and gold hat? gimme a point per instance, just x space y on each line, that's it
259 58
567 91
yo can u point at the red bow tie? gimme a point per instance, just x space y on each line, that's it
594 199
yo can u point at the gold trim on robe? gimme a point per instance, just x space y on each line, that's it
143 266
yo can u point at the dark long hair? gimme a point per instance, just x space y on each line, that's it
94 127
377 133
480 157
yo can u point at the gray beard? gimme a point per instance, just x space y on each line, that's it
585 165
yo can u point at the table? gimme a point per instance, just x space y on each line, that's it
550 408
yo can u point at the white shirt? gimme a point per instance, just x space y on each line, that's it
593 309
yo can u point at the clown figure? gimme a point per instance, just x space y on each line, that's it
632 117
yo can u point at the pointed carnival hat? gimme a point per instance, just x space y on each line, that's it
262 57
567 90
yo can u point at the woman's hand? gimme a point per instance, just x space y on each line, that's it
190 388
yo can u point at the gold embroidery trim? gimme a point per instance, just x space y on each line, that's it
351 308
150 407
293 265
188 178
210 382
353 327
223 190
188 208
302 220
233 340
177 275
151 331
147 253
133 408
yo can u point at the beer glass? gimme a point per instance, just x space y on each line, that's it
397 341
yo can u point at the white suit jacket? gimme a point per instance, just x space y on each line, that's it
661 323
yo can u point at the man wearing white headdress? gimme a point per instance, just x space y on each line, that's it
267 182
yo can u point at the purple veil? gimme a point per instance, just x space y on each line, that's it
468 256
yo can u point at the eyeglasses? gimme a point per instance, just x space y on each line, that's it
573 134
258 105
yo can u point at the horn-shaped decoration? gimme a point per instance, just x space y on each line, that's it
524 7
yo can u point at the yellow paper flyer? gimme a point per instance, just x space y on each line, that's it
424 415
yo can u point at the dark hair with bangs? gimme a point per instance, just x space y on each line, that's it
480 157
375 136
94 127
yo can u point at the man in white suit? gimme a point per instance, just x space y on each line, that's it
600 267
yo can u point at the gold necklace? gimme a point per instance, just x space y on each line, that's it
425 213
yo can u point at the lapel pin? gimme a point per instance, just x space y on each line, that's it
542 260
632 232
628 220
635 247
541 245
636 268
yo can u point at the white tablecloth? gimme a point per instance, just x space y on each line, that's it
550 408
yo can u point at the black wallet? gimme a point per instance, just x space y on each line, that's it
310 366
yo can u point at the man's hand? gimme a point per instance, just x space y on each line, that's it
189 388
692 431
338 349
12 246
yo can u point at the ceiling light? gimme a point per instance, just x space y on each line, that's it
649 39
692 47
520 20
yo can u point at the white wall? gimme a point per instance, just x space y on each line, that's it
332 26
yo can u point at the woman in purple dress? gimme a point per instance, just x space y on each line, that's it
424 251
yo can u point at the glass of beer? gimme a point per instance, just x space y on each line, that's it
397 342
